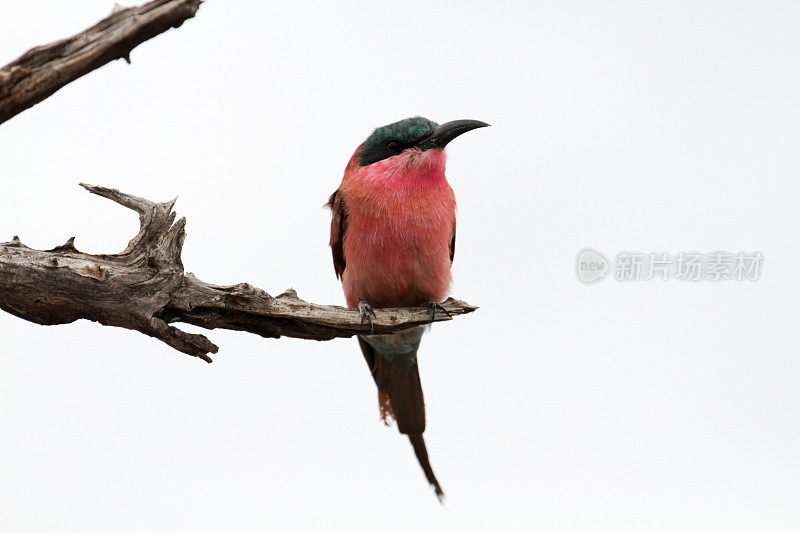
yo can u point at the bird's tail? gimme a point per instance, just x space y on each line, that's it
400 397
422 456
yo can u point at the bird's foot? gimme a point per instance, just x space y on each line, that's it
433 307
366 314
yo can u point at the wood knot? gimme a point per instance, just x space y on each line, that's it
288 294
68 246
95 271
243 288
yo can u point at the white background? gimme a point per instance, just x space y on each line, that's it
651 406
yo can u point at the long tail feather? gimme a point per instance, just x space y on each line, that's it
422 456
400 397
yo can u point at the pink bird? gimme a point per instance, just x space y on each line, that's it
393 238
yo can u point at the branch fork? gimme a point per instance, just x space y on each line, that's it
144 288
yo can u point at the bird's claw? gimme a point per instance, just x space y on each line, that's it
433 307
366 314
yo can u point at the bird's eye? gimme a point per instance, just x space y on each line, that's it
394 146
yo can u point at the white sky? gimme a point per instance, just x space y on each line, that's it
617 407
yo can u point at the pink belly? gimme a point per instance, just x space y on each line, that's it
394 265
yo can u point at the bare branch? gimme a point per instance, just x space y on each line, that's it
43 70
144 288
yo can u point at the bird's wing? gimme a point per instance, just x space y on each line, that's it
338 229
453 242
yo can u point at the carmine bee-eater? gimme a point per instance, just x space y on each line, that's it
393 236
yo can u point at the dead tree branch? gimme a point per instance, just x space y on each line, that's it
145 289
43 70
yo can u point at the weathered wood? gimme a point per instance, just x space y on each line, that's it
43 70
144 288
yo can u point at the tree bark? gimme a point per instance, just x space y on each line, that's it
43 70
145 289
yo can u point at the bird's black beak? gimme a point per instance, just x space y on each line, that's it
447 132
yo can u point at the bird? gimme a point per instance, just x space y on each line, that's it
393 238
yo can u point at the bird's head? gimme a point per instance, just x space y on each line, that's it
415 140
